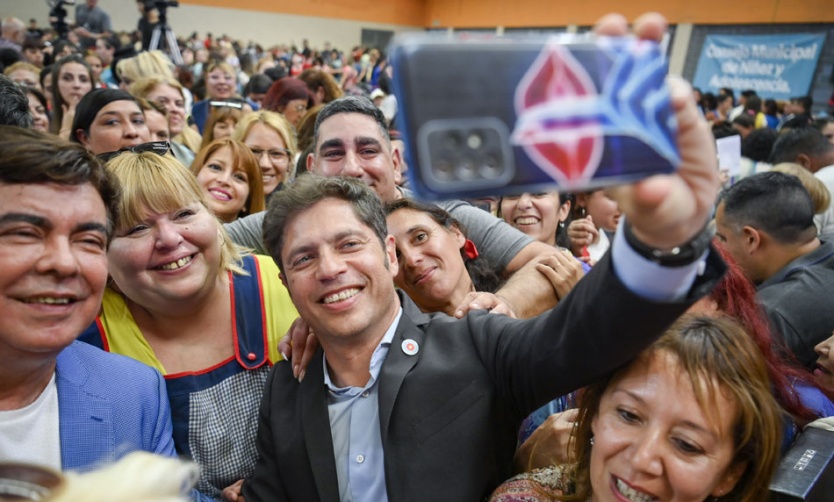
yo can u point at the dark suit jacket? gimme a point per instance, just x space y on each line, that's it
449 415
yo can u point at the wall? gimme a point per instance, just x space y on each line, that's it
484 13
398 12
267 28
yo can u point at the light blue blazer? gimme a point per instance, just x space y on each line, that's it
109 406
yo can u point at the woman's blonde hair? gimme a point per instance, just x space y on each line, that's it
279 124
718 356
264 61
146 85
243 160
190 138
22 65
146 64
160 184
820 195
220 65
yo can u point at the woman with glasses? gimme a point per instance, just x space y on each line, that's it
221 84
272 139
168 93
107 120
184 300
290 97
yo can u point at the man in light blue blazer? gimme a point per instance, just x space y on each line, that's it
108 407
64 404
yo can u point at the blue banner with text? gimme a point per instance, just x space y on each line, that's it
775 66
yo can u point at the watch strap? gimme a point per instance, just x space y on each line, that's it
679 256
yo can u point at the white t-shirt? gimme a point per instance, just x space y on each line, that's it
31 434
599 247
825 220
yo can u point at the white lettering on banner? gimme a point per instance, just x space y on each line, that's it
730 67
716 52
761 86
786 52
790 52
755 67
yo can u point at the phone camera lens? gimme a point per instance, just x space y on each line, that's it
453 142
443 170
491 167
466 170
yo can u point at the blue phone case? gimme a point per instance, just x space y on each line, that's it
488 115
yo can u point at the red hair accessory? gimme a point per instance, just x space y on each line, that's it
470 250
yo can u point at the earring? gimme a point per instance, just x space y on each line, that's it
581 211
592 441
562 225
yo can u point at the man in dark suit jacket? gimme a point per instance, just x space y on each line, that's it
766 222
402 405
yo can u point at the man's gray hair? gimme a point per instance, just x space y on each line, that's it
14 105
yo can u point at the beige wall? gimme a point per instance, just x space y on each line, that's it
267 28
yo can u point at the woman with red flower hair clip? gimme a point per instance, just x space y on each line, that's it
438 264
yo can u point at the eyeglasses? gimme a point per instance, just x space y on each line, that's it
300 108
157 147
277 156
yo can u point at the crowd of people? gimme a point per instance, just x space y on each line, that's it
222 260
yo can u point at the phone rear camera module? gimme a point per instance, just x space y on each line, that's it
455 154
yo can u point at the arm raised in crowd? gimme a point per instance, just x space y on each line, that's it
668 210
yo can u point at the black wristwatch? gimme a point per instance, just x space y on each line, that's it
679 256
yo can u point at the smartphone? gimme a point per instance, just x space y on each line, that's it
488 115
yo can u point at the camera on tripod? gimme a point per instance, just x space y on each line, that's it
163 30
58 16
160 5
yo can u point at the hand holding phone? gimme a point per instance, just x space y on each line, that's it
492 115
668 211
